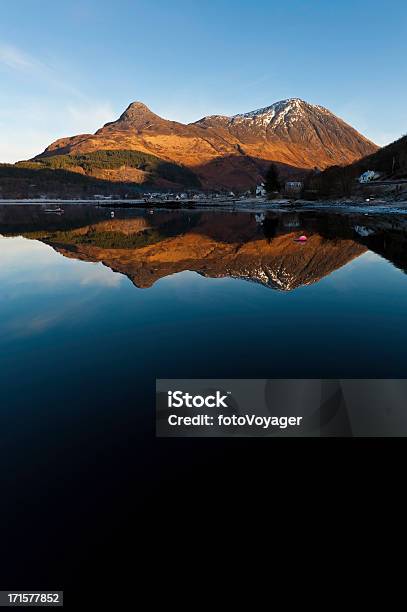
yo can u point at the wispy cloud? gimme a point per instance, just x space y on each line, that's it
44 120
15 58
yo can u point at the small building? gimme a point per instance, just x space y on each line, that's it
368 176
260 191
293 187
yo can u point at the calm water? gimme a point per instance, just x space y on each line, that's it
197 295
94 308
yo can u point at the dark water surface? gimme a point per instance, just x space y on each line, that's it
93 309
198 295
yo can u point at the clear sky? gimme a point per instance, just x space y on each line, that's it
68 66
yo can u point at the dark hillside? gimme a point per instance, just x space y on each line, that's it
390 162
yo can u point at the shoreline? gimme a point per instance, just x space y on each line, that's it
249 205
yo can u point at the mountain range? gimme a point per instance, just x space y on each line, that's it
215 152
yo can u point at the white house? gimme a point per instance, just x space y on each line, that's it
260 191
369 175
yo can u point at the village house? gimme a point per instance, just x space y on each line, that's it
260 191
293 187
369 175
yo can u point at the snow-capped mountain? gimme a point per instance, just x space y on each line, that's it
228 152
293 108
311 133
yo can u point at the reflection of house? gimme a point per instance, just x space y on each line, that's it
260 191
363 231
293 187
290 221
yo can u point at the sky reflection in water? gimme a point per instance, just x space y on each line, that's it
349 321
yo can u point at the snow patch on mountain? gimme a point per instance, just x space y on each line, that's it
291 110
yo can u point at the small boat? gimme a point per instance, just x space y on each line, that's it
54 210
302 238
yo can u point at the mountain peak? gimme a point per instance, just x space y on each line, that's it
281 110
137 116
289 110
135 109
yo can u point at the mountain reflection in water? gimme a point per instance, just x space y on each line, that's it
255 247
81 349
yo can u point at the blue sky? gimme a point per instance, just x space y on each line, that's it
67 67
